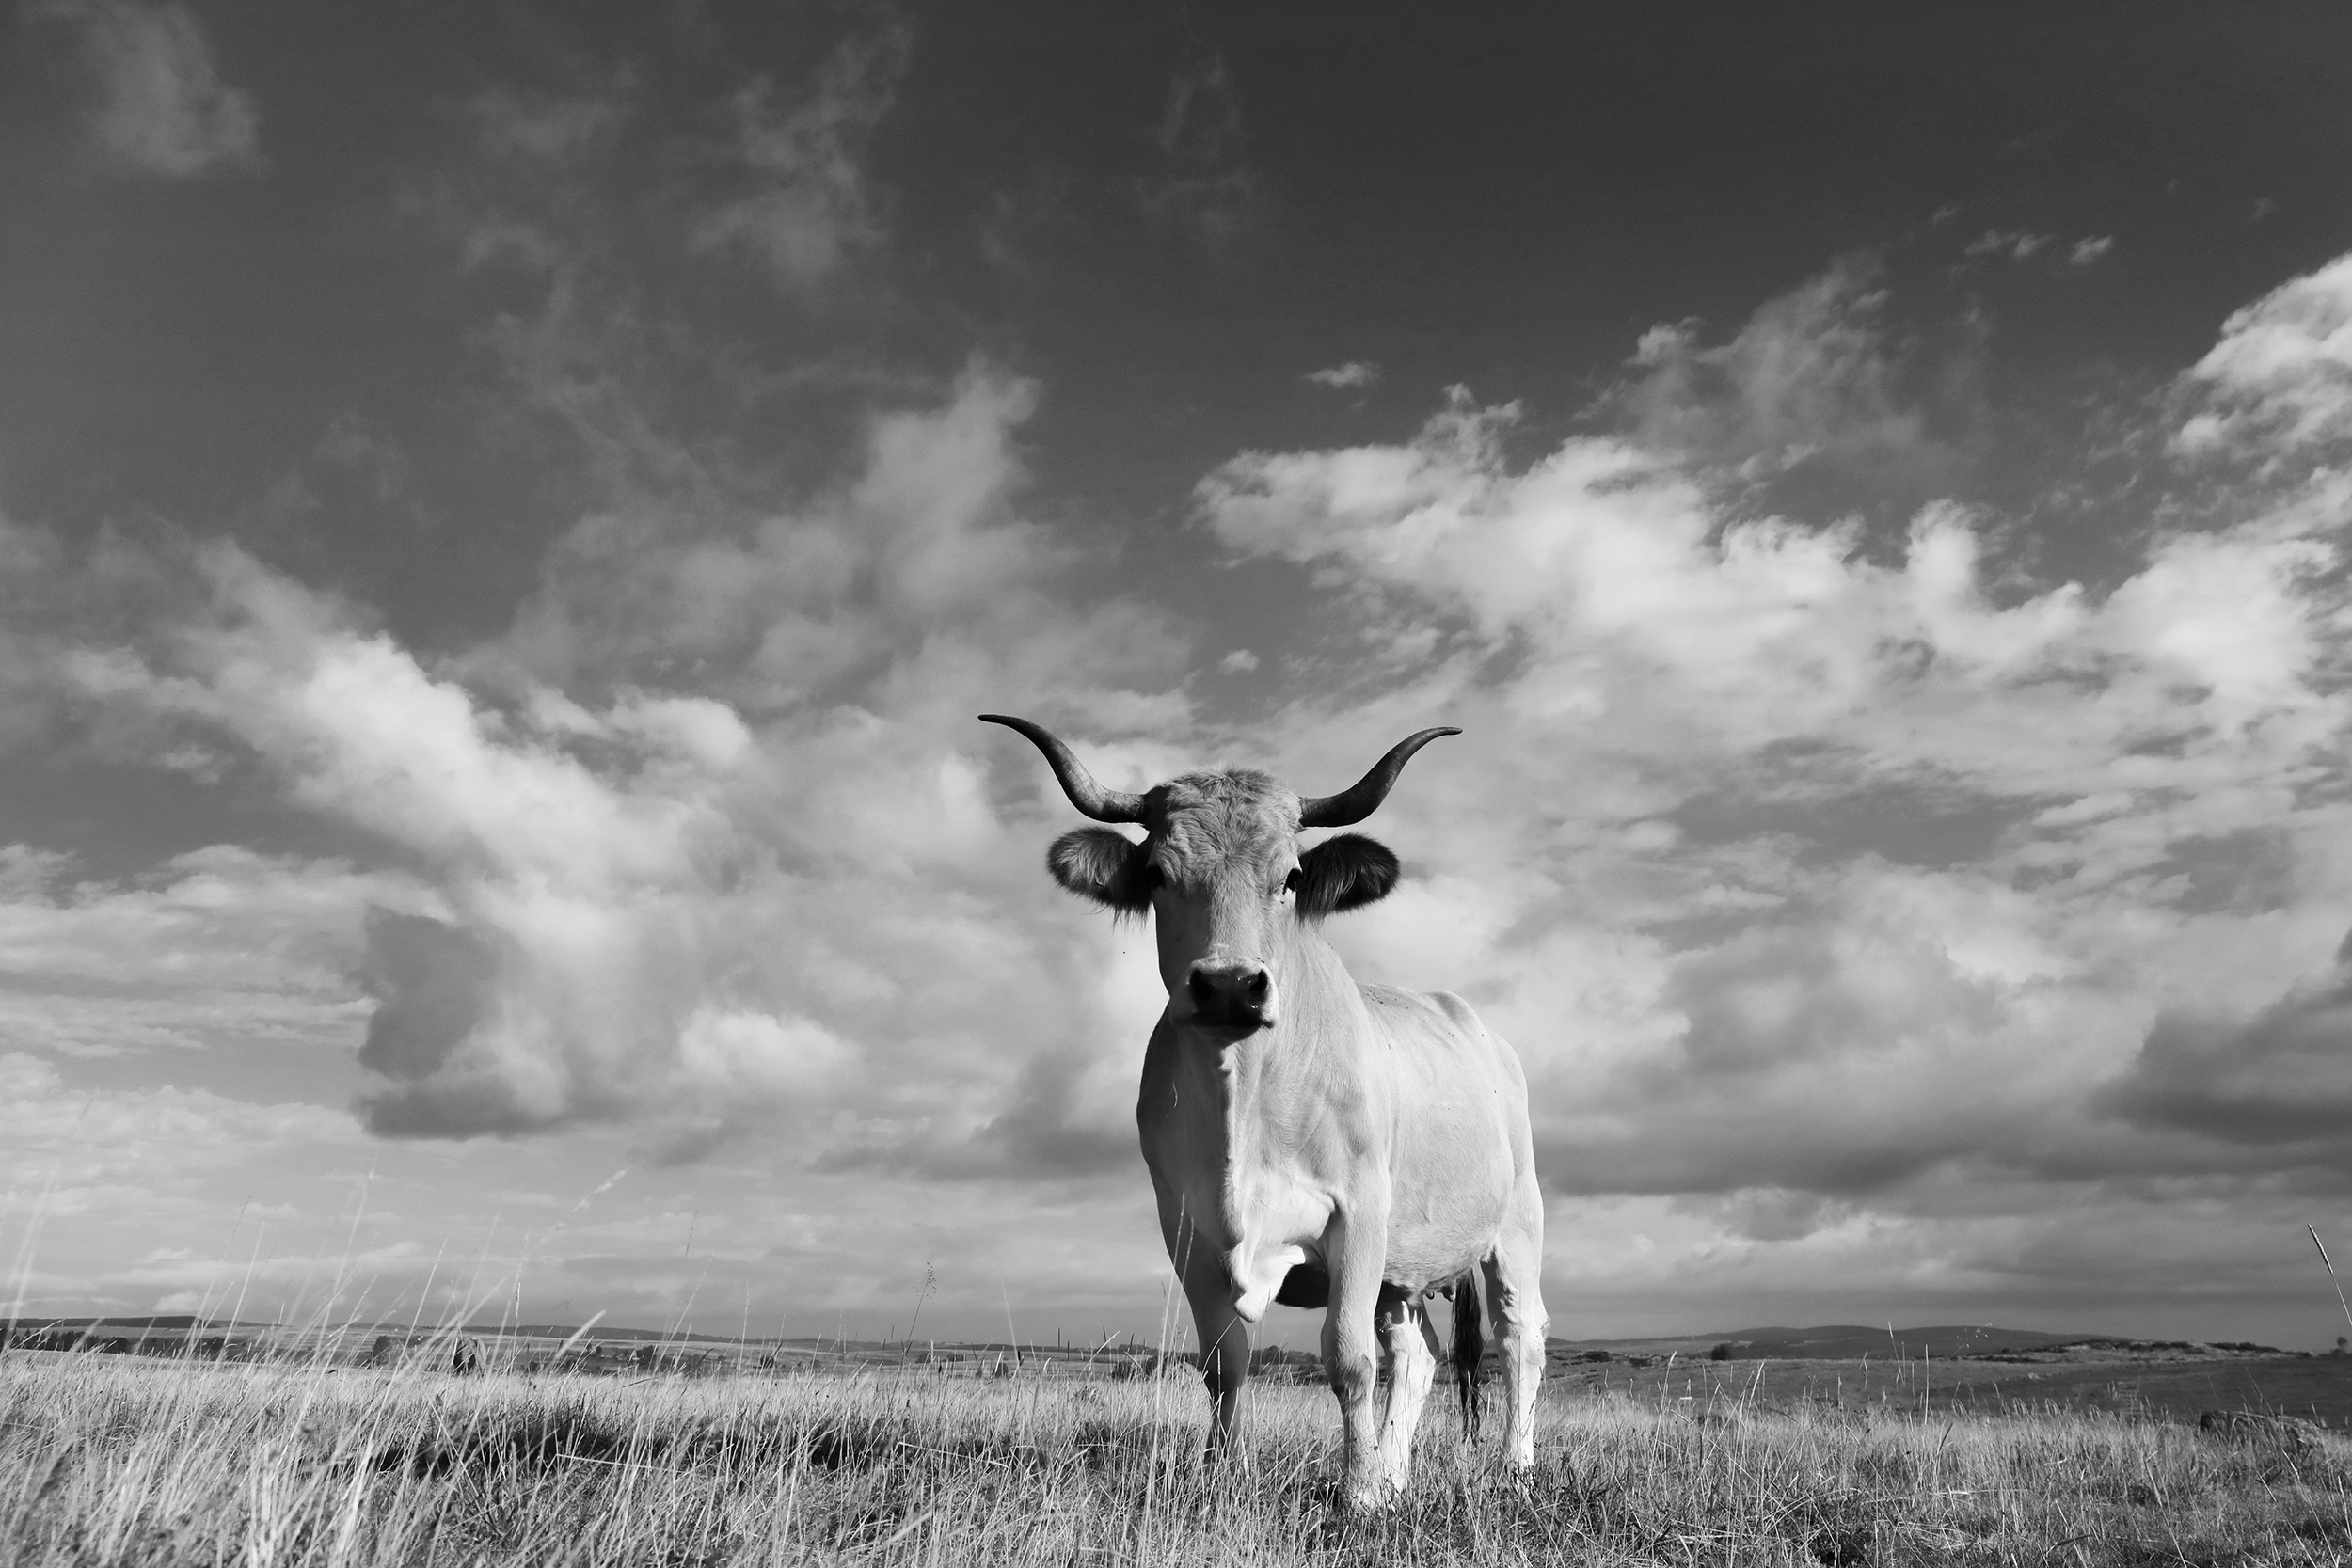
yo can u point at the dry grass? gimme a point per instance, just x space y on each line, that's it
107 1460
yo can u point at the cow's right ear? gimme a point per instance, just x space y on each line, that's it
1105 866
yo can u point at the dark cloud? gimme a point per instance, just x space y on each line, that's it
1808 1065
433 984
1046 1130
1925 821
2281 1082
1775 1213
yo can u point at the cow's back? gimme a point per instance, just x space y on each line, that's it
1457 1101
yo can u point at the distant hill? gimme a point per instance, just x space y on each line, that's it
605 1331
178 1320
1844 1342
1848 1342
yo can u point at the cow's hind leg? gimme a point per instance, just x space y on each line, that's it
1409 1344
1514 1297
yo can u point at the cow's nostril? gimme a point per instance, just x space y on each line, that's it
1256 989
1203 989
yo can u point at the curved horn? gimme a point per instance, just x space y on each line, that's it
1338 811
1103 805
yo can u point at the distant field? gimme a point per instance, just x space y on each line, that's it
1843 1342
2318 1387
589 1350
117 1460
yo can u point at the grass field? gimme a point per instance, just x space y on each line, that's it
111 1460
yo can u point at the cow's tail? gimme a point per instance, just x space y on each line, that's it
1470 1348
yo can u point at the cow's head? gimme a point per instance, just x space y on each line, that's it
1222 871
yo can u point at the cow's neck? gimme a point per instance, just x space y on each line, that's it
1254 1104
1278 1079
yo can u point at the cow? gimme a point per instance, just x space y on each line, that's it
1313 1140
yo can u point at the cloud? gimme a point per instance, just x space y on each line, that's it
1811 378
1863 904
218 948
2089 252
2019 246
163 110
1856 873
811 208
434 986
751 906
2012 244
1354 373
2280 381
1206 191
2279 1081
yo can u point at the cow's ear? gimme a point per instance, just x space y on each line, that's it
1344 872
1105 866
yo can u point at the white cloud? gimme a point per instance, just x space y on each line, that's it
164 109
2280 381
1810 376
2089 252
1753 821
2010 245
693 912
1354 373
217 949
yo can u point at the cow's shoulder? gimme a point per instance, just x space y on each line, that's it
1465 1017
1441 1009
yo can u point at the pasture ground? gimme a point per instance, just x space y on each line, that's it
110 1460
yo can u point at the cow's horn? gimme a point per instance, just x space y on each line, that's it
1338 811
1103 805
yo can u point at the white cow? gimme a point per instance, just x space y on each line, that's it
1308 1134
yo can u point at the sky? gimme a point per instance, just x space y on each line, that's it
508 514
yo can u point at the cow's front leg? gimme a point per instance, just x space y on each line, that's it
1224 1361
1209 1289
1354 1254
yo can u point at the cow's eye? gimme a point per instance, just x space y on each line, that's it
1290 883
1154 878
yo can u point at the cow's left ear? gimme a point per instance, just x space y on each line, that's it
1344 872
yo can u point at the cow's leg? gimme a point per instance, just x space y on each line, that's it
1224 1336
1514 1296
1409 1343
1224 1362
1353 1253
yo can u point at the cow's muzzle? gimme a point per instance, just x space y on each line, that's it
1230 994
